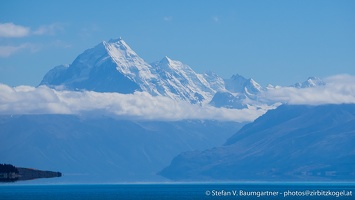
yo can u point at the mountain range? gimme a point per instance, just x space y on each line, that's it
114 67
290 143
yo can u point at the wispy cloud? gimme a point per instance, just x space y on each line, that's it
140 105
8 50
338 89
51 29
10 30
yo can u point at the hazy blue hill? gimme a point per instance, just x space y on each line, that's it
290 143
103 149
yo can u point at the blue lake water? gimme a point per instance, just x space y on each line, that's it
15 191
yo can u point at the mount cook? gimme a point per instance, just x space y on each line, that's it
114 67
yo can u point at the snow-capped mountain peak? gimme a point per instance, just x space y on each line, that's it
168 64
255 85
165 60
310 82
314 81
118 47
108 67
114 67
128 62
181 80
239 84
239 92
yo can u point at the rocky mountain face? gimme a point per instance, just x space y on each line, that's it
290 143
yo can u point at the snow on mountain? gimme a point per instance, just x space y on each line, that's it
310 82
181 81
95 69
245 93
214 81
131 65
239 84
239 91
114 67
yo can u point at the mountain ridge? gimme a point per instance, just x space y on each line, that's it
115 64
114 67
290 143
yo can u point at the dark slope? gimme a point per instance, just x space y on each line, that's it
290 143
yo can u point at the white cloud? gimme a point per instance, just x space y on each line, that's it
48 29
8 50
12 30
140 105
339 89
29 100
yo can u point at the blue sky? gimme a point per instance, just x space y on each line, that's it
277 42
